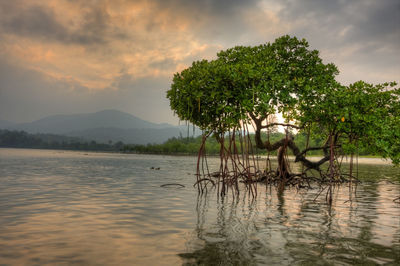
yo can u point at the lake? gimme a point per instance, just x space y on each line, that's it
84 208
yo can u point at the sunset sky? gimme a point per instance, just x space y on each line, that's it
76 56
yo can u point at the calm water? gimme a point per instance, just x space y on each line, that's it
62 207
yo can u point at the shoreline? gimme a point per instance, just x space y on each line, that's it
361 159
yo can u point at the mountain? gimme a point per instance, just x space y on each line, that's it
103 126
62 124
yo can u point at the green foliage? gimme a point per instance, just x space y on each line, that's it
364 116
22 139
202 95
371 117
281 77
287 77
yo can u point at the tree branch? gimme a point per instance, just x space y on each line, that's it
296 152
315 149
282 124
301 158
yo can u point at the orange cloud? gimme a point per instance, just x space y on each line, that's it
133 36
93 42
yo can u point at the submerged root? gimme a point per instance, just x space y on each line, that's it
238 165
274 178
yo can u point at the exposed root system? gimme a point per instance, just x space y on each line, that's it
239 165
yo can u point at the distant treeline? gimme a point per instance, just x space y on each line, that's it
175 145
22 139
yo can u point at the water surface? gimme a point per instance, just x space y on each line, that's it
63 207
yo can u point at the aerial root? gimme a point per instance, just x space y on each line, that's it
203 180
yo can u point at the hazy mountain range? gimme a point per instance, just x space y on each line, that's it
103 126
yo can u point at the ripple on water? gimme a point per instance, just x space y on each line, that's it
60 207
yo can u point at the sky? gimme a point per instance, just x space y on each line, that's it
81 56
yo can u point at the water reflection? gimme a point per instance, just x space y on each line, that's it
291 228
109 209
227 239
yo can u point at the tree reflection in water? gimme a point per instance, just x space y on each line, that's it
228 240
291 228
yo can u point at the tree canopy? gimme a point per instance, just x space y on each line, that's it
249 84
284 76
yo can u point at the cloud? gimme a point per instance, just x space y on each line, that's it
346 21
90 42
27 94
78 55
362 37
43 23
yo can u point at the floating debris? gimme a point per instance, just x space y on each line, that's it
172 185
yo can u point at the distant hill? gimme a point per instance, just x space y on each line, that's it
103 126
62 124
